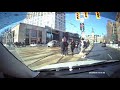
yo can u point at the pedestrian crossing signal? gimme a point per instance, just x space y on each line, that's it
77 15
85 15
97 15
82 28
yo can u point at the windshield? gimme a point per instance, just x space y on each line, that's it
77 36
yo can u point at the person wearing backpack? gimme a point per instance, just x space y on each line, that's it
82 45
66 47
72 46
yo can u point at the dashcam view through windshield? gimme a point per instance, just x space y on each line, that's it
42 39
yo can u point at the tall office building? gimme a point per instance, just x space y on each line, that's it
109 31
55 20
118 24
118 17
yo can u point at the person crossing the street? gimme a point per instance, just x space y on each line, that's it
66 47
72 46
62 47
83 45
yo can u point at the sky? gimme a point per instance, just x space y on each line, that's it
72 25
98 25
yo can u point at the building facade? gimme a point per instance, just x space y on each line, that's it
34 26
110 31
118 17
118 24
91 37
94 38
69 36
55 20
34 34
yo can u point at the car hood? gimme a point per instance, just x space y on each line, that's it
75 63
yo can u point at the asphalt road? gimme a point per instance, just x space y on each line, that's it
103 53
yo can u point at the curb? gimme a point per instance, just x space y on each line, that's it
89 50
114 48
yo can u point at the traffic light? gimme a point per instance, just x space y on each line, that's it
85 15
97 15
77 15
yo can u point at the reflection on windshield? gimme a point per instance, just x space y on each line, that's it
47 38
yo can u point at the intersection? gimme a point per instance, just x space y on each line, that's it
34 57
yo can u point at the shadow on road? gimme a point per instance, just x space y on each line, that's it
93 55
99 50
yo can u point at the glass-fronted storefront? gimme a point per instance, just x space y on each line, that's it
49 36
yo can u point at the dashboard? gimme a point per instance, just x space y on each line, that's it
109 70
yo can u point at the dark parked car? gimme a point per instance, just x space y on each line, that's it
103 44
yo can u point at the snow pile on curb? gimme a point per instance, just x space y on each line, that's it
88 49
115 46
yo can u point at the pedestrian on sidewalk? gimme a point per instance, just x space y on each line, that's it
77 46
66 47
72 46
88 43
83 45
62 47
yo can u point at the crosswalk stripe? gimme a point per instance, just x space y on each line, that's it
38 57
46 61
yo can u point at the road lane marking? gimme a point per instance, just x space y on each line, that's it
109 56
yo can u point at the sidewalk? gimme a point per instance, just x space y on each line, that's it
115 46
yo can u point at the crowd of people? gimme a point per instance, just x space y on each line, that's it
18 44
74 45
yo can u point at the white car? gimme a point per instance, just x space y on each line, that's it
33 45
53 43
6 45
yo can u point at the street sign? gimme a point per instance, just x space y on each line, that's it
86 15
97 15
77 15
81 26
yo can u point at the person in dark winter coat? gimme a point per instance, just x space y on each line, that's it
62 47
66 47
72 46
